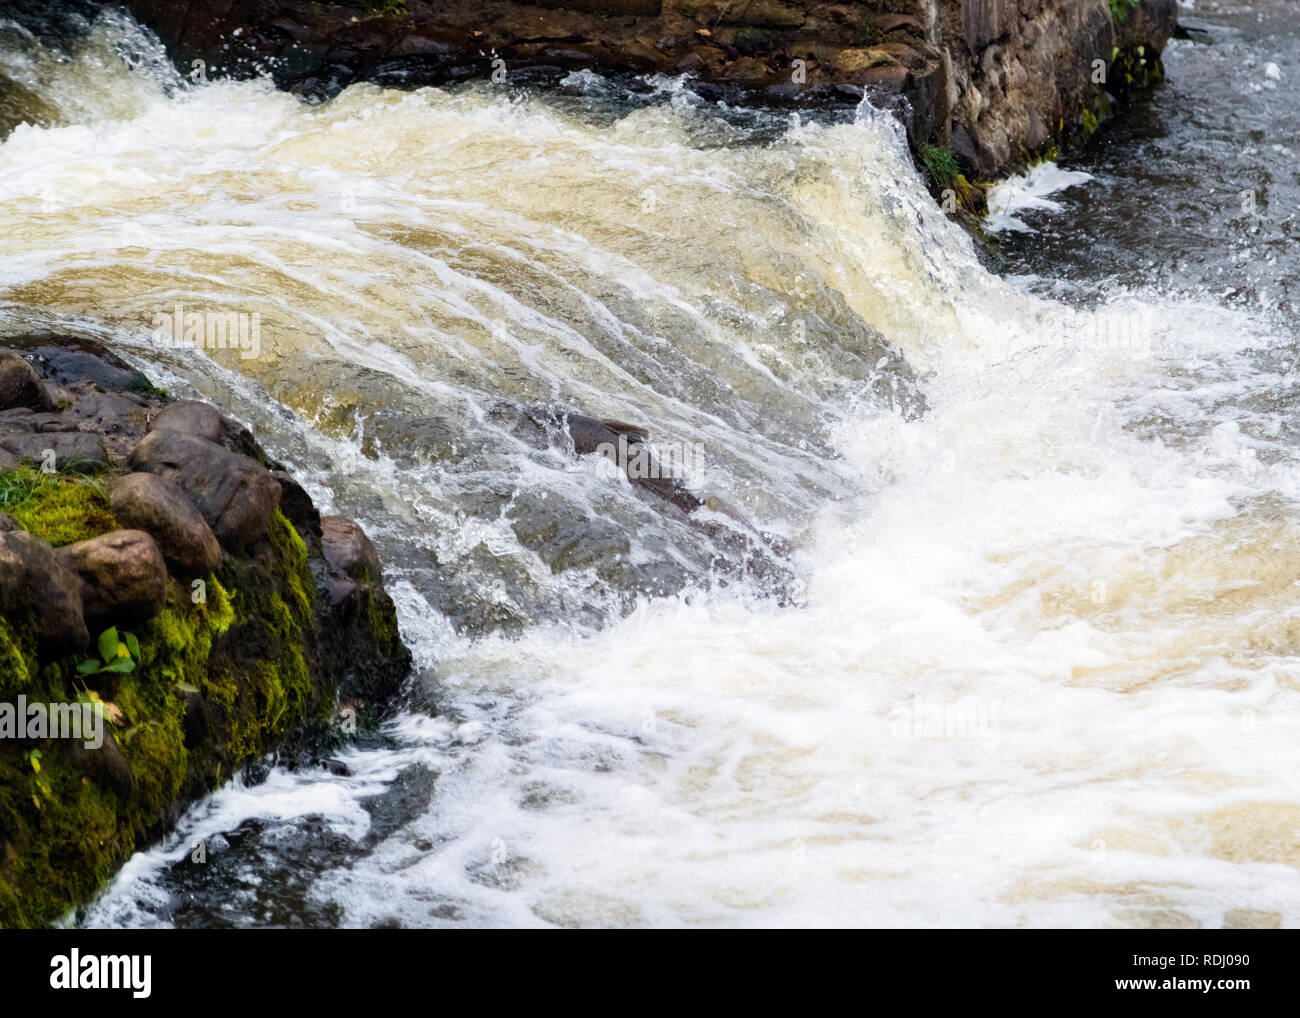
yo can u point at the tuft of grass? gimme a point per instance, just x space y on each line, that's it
59 508
941 163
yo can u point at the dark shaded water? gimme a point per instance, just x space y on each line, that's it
1197 187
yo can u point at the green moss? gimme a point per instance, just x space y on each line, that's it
1119 9
146 388
291 551
13 664
57 508
1132 69
175 645
65 831
946 176
381 619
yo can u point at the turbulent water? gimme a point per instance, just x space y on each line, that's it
1034 657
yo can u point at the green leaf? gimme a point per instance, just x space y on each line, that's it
88 667
122 665
108 644
133 645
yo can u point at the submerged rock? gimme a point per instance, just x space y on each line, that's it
626 452
625 447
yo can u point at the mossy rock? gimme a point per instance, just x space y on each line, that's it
247 653
243 665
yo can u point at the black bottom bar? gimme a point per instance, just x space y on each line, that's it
392 969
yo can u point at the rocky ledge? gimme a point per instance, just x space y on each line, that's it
157 568
981 85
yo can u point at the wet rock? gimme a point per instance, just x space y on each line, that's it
338 590
203 420
64 360
20 385
357 611
51 422
8 524
926 90
297 505
336 767
1038 134
345 645
69 450
157 506
123 576
35 585
976 150
1150 24
235 494
623 445
348 549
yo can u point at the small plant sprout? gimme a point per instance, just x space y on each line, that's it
119 654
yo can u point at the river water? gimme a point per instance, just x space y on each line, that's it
1033 659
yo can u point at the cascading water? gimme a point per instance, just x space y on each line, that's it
1031 661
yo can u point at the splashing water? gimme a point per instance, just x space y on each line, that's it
1033 661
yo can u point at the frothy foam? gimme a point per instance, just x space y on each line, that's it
1038 660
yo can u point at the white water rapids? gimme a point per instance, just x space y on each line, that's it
1036 666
